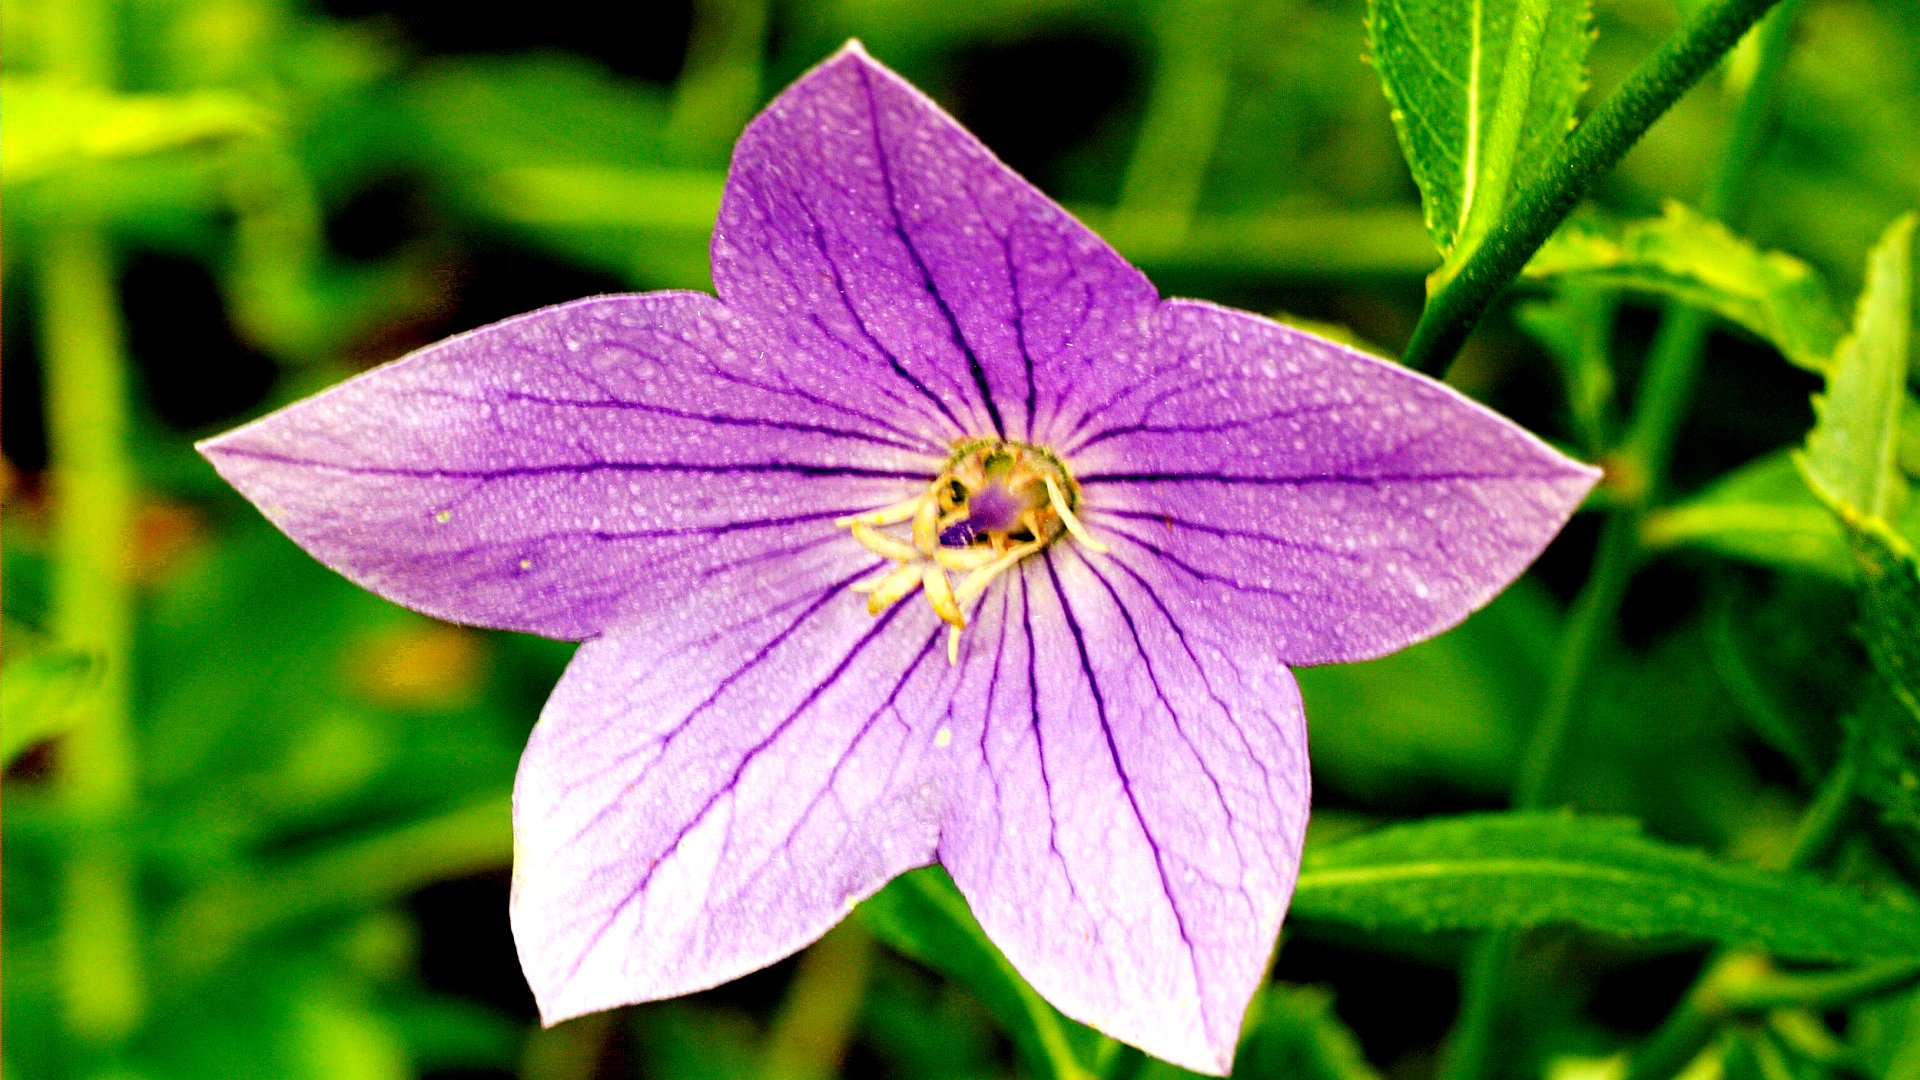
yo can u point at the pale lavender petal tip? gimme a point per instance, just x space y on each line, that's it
1111 760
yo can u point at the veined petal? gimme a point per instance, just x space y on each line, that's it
562 471
1337 505
1130 794
711 789
862 221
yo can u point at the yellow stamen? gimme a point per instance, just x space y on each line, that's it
940 595
883 545
926 527
893 588
953 646
976 583
1069 519
886 515
961 560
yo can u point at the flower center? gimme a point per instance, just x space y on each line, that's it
995 503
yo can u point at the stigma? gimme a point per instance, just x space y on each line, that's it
995 503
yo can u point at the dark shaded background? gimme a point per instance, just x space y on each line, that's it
315 820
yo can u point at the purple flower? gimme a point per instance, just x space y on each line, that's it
926 399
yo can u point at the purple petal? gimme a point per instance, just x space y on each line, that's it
564 471
711 789
1335 505
868 226
1130 795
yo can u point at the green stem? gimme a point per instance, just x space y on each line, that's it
720 85
821 1009
1470 1049
569 1051
1827 990
1594 148
1588 625
92 610
211 925
1660 405
1691 1026
1673 364
1186 106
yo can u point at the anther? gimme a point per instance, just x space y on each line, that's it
926 527
974 584
1069 518
886 515
883 545
940 594
895 587
962 560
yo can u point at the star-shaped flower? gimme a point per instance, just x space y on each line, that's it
926 399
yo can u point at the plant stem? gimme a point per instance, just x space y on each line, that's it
1186 106
1662 402
1827 990
92 610
1673 364
821 1009
210 926
1687 1030
1594 148
720 85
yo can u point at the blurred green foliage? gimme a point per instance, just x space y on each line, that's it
256 820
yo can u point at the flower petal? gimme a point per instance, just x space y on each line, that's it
1338 505
1130 793
867 225
562 471
710 790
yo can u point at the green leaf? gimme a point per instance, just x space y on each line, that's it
52 128
1852 456
43 695
1698 261
1374 740
1576 328
923 915
1764 513
377 868
1886 750
1471 134
1890 608
1291 1032
1294 1033
1509 871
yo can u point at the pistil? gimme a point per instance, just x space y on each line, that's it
994 504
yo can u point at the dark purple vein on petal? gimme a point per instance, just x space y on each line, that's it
1126 781
1040 746
1160 693
719 419
1173 522
1180 635
853 312
574 468
1197 573
665 742
623 535
993 689
913 252
1144 428
1336 479
833 775
753 752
